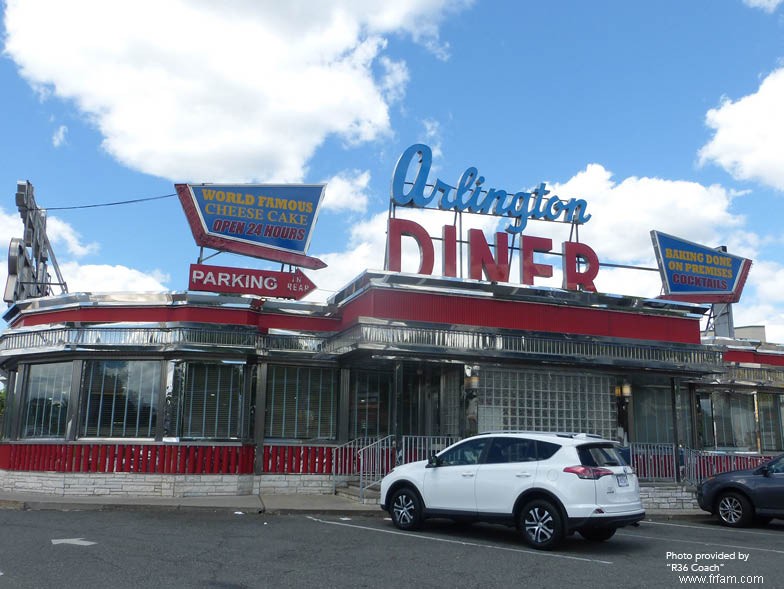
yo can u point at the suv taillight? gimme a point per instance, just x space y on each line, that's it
589 472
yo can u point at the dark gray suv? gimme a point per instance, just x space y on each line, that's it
741 497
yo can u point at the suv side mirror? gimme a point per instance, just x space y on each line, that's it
764 470
433 461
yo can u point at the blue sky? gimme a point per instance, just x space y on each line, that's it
661 115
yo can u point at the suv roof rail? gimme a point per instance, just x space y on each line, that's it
581 435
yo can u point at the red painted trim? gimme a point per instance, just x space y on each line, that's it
141 315
492 313
406 306
753 358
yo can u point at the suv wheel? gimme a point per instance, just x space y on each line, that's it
597 534
735 510
406 509
541 525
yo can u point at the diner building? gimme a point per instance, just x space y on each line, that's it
232 387
186 383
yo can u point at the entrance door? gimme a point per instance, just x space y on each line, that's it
420 402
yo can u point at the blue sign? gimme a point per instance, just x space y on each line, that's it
263 220
699 274
469 194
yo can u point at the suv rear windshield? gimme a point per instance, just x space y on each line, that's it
600 455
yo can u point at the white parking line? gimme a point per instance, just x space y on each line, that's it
461 542
700 543
719 529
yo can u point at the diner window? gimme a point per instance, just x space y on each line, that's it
301 402
5 399
120 398
705 437
370 402
213 403
769 421
47 396
652 401
735 424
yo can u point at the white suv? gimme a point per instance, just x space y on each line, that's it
547 484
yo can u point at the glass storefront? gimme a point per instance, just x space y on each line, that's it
116 398
302 402
212 402
47 399
119 399
744 420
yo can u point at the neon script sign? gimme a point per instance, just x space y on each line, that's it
470 196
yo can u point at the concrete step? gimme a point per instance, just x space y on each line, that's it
351 491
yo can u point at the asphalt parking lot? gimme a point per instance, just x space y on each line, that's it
221 549
661 553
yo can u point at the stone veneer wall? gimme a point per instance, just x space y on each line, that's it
164 485
668 497
158 485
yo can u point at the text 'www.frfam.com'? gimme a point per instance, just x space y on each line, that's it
716 579
709 564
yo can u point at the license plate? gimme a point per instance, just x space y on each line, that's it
622 480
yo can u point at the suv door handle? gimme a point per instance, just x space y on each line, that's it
467 474
523 474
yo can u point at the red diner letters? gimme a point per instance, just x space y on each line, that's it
580 262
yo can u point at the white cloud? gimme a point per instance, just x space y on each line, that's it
625 212
108 278
79 277
394 80
60 232
204 91
749 134
433 137
768 6
347 191
58 138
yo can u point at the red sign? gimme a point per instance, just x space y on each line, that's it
494 268
263 283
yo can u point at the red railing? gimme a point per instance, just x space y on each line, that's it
133 458
701 465
280 459
167 459
654 461
663 462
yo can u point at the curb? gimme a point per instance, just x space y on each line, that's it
12 505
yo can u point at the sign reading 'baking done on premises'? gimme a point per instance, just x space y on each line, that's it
410 188
698 274
271 222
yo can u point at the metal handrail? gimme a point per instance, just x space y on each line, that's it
344 460
375 461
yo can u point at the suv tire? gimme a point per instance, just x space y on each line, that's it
406 509
735 510
541 525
